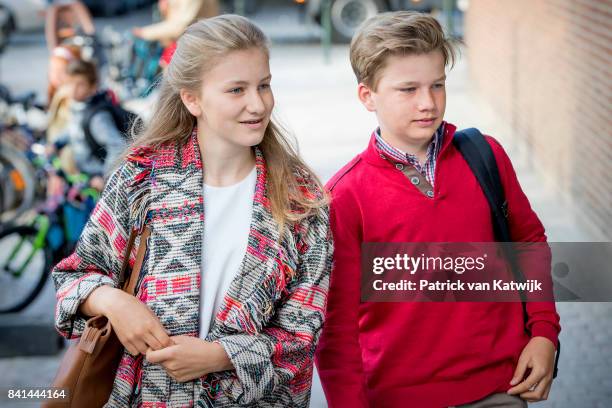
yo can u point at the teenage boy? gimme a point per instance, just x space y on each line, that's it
412 185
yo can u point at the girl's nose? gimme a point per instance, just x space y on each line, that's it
255 103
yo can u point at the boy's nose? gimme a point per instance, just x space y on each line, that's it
426 101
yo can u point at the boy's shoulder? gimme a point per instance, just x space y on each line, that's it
343 176
493 142
496 147
498 151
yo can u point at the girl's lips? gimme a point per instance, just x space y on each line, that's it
253 124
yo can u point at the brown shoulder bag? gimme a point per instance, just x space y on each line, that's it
88 368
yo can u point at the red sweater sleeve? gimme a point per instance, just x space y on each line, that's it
525 226
338 356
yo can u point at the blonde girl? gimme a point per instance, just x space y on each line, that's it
232 292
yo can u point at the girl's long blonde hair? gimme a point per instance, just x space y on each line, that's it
291 182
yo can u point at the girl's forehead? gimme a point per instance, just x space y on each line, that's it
246 65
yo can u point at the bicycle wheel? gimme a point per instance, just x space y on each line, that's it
24 266
18 174
10 196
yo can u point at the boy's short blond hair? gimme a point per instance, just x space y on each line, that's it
396 33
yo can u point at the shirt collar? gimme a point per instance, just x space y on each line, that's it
397 155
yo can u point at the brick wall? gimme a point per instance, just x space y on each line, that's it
545 66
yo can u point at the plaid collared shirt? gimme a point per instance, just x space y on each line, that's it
427 169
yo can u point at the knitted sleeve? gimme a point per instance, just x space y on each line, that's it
97 258
99 253
282 353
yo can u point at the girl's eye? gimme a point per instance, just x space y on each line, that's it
408 89
438 86
235 90
264 86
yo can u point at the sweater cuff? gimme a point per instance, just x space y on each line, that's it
68 321
254 370
545 329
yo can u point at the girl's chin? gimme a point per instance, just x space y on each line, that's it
250 140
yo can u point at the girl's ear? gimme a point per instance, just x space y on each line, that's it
365 96
191 102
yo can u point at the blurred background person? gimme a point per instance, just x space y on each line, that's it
176 16
65 19
59 100
61 56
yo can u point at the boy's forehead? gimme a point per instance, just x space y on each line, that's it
412 67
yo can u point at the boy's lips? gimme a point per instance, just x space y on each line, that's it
425 121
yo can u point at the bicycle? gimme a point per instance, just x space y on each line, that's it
132 64
22 124
28 252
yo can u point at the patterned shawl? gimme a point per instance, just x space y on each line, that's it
271 316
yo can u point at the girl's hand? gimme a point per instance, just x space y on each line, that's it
137 328
190 358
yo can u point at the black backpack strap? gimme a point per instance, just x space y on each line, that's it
97 150
480 158
478 154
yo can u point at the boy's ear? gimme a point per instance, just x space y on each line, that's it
191 102
365 96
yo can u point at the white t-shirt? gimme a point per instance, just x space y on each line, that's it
227 221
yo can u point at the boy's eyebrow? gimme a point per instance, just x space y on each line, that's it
442 78
241 82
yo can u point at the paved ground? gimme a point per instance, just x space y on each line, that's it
319 103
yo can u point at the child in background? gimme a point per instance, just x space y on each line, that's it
88 132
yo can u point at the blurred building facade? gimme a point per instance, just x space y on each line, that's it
546 67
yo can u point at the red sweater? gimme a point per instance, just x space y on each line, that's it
420 354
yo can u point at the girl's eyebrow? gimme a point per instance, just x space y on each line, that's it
243 82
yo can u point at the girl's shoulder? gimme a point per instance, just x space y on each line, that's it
139 162
309 184
312 208
141 155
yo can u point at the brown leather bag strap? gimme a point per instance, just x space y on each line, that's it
142 249
125 278
123 274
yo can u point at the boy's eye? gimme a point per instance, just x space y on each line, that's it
264 86
441 85
412 89
235 90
